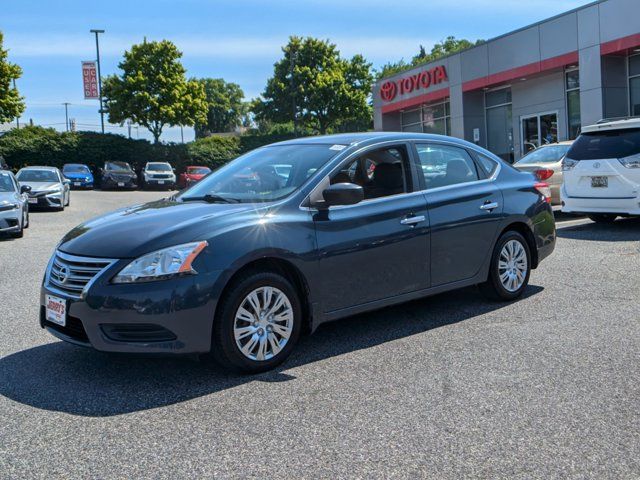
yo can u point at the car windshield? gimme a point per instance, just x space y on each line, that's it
198 170
6 183
159 167
550 154
606 144
37 176
261 176
75 169
117 166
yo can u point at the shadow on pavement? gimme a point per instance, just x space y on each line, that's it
79 381
622 230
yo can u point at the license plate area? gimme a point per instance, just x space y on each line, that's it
121 184
599 182
55 310
33 200
160 182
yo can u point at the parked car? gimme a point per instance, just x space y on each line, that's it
116 175
546 163
242 269
49 188
602 171
79 174
14 205
192 174
159 175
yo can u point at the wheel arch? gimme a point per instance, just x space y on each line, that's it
525 230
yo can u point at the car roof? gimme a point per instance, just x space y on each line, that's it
366 138
605 125
6 171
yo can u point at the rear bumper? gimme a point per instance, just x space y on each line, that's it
621 206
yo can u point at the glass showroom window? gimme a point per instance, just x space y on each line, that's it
634 84
572 86
432 118
499 123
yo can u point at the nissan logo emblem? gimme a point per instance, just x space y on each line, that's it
63 274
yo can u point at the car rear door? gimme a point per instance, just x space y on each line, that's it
465 210
604 165
376 249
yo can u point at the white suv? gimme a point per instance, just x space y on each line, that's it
601 171
159 174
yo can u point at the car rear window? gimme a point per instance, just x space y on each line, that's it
606 144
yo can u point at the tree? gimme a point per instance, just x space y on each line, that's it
153 90
317 88
225 107
11 103
446 47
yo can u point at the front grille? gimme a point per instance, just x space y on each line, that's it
161 175
71 274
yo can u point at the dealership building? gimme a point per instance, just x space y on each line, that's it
532 86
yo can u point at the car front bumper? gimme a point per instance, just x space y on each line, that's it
172 316
81 183
10 220
53 200
619 206
129 183
160 183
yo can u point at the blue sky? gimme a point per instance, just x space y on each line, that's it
236 40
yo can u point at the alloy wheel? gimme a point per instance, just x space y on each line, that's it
512 265
263 323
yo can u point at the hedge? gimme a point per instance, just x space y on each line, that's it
46 146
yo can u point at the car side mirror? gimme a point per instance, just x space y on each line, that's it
343 194
25 189
66 181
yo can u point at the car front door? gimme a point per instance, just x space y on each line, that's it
379 247
465 209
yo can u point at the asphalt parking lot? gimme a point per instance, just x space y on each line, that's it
447 387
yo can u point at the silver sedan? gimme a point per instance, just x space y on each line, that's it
49 188
14 206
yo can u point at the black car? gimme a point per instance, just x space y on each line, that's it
116 175
246 260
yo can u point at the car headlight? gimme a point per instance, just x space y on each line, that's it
630 162
161 264
568 164
54 191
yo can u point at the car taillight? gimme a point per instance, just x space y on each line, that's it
544 174
545 190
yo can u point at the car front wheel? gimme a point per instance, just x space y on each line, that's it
510 268
258 323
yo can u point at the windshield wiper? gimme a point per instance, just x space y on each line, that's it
211 198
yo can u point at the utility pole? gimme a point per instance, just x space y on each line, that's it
292 65
129 128
17 116
99 76
181 133
66 114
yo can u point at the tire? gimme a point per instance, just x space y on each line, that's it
494 288
68 199
224 346
603 217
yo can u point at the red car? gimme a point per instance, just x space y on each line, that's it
191 175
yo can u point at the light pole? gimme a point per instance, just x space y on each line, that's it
17 116
66 114
292 66
99 76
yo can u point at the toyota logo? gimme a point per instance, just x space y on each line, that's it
596 165
388 91
63 274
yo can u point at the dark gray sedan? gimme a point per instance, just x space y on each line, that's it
292 235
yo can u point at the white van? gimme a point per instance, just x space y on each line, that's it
601 171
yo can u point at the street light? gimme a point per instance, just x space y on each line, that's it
99 76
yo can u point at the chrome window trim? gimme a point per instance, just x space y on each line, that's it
73 258
411 141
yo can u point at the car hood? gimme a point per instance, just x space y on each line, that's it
42 186
72 175
119 173
133 231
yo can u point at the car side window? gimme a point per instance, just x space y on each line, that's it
381 172
444 165
489 165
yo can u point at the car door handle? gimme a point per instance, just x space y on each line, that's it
489 206
412 220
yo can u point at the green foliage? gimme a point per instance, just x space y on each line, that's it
448 46
153 91
46 146
11 103
326 89
225 107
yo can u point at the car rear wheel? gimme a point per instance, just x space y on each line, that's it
510 268
258 323
603 217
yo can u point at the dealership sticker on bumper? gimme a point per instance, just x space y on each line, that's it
56 310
